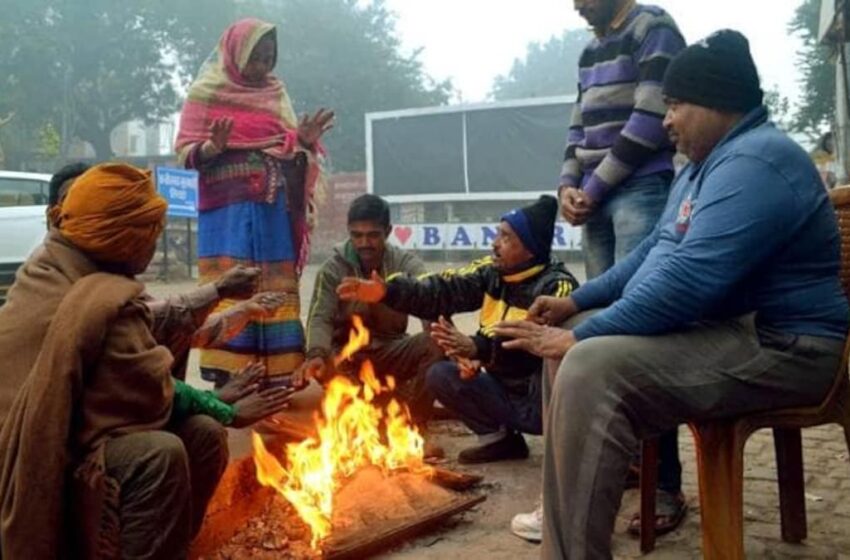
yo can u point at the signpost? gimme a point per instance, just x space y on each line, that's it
180 188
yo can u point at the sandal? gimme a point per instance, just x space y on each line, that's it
670 511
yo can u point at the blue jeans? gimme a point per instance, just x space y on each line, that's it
484 403
623 220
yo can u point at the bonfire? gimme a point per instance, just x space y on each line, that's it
354 432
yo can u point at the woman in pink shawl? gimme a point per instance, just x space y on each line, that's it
258 170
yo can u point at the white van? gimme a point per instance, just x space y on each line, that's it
23 224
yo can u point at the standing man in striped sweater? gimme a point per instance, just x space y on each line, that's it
618 163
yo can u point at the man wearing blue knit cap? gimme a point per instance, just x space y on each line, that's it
495 391
732 306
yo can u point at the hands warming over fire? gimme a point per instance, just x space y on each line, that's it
322 368
454 343
242 384
366 291
457 346
224 325
313 368
265 304
468 368
238 282
540 340
251 404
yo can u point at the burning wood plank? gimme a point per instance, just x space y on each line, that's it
364 545
373 513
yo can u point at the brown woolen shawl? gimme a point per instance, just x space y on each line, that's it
97 374
40 285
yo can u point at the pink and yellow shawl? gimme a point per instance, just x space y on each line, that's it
263 115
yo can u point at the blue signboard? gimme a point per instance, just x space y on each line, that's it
180 188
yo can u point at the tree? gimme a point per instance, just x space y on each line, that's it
550 68
85 67
778 107
815 61
345 55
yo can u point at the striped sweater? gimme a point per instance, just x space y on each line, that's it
616 131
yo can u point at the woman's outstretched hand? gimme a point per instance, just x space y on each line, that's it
220 133
312 127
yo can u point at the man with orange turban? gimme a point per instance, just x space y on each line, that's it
113 214
99 454
184 321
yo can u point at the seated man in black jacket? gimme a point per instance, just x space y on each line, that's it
496 391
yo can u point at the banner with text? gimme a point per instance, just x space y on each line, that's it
466 237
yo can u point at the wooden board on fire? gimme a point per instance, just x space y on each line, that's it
372 511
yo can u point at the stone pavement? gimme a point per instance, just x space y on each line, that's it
827 469
514 486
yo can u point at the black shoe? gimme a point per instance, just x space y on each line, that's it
512 446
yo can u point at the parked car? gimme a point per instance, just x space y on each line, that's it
23 201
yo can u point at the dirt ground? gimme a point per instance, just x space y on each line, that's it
514 486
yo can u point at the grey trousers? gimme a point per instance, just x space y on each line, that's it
166 480
609 392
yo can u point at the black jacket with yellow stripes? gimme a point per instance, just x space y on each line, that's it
480 286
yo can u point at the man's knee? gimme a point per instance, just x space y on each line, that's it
152 469
148 458
440 377
204 429
589 366
203 435
166 452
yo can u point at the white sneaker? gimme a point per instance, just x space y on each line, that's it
529 526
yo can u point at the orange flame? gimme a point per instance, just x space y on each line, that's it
357 339
352 433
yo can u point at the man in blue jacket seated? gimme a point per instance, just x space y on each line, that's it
496 392
731 306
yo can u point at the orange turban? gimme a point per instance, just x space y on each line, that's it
113 213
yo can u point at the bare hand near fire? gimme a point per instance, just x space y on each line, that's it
242 384
314 368
468 368
451 341
238 282
266 303
312 127
540 340
366 291
258 405
549 310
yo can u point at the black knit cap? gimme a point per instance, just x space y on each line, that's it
717 72
535 226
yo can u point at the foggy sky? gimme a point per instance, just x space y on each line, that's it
472 41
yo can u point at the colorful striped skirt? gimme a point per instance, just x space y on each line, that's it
259 235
